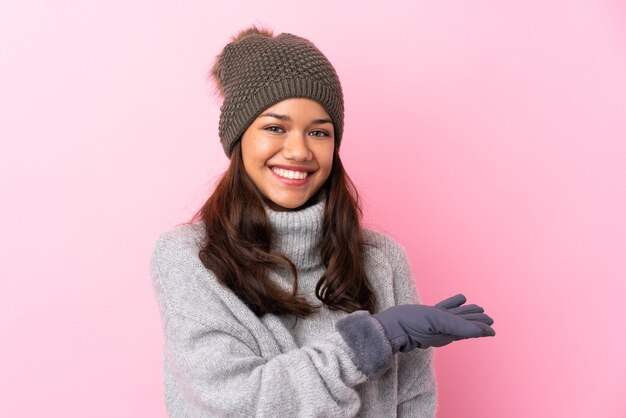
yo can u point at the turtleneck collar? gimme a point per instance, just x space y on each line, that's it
298 233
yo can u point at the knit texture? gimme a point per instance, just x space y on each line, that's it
362 333
222 360
259 71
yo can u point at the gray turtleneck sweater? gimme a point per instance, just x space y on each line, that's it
222 360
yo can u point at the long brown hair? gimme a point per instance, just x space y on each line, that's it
238 245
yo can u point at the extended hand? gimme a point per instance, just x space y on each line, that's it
420 326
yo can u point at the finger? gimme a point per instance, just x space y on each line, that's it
480 317
457 326
487 331
466 309
452 302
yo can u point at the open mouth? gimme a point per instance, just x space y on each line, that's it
290 174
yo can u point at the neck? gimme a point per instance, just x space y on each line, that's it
298 233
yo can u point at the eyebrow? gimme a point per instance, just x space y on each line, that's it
288 119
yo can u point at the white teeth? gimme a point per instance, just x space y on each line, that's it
299 175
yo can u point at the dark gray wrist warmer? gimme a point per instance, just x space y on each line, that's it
367 339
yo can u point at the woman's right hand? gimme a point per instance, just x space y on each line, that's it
419 326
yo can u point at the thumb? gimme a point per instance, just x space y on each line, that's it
487 331
452 302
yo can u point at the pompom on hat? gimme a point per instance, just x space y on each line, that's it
256 70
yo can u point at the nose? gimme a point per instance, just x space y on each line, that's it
296 148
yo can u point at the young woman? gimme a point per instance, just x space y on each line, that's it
274 300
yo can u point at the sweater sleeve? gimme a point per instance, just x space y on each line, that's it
217 366
417 387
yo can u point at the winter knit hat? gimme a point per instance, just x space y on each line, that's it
257 70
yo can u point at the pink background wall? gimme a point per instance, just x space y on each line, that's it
489 138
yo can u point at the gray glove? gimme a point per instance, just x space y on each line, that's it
418 326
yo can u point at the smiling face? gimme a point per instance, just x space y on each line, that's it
288 152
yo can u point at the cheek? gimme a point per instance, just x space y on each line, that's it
255 151
325 159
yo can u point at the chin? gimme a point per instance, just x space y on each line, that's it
288 204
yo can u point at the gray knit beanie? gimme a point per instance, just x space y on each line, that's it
257 70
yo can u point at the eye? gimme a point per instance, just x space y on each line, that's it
274 129
320 134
